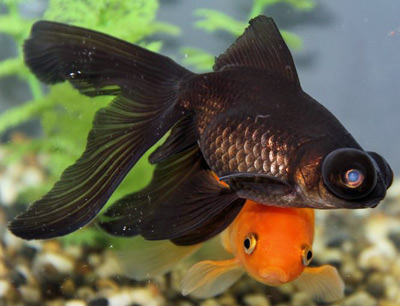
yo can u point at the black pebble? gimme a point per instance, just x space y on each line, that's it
376 290
336 241
123 280
98 302
18 279
276 296
349 289
376 286
395 237
336 263
28 252
78 280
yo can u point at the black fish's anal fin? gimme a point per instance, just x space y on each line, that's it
262 47
200 199
213 226
125 216
255 186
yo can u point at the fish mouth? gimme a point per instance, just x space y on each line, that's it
273 276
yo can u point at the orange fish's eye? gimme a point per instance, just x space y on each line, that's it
250 243
307 255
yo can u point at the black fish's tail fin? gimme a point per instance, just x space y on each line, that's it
146 86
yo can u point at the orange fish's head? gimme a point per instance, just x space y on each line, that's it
275 247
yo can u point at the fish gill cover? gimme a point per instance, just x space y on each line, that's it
65 115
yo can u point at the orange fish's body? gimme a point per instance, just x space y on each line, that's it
271 231
274 246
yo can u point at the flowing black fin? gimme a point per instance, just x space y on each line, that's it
144 110
96 63
193 204
125 216
262 47
212 226
183 135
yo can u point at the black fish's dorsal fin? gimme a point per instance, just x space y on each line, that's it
261 46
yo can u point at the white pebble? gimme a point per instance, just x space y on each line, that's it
12 242
256 300
379 226
141 296
379 256
60 262
30 294
4 287
302 299
394 190
209 302
8 191
392 288
360 299
75 303
109 266
32 177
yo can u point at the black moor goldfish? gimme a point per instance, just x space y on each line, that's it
274 246
249 121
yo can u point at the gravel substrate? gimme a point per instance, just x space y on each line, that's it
364 245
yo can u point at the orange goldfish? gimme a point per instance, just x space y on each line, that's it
274 246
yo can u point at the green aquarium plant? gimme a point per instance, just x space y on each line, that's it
213 20
66 116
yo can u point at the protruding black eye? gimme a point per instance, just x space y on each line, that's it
349 173
250 243
307 255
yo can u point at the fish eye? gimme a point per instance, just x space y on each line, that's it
250 243
349 173
307 256
353 178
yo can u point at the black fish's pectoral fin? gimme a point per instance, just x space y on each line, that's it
146 85
125 216
255 186
183 135
200 201
262 47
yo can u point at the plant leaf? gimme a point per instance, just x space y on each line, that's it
198 58
214 20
